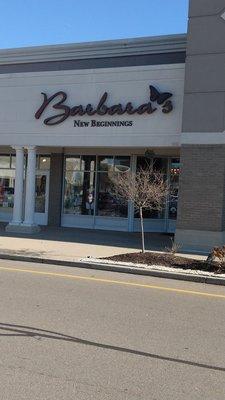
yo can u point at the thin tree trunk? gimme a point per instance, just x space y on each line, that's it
142 231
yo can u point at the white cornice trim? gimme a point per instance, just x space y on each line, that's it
109 48
203 138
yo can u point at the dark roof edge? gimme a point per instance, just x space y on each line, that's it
101 49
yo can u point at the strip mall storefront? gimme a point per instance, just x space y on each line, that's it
86 196
71 115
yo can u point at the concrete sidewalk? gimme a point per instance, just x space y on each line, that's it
71 244
71 247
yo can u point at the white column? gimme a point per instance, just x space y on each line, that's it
30 189
18 191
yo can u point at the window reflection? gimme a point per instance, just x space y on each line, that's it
87 185
122 164
7 186
79 189
5 161
73 163
44 163
7 183
106 163
13 161
40 191
79 193
108 205
143 163
88 163
159 165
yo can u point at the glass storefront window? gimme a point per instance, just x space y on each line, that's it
157 163
40 191
87 188
108 205
80 185
143 163
121 164
13 161
160 165
73 163
79 197
7 186
174 187
106 163
79 191
154 214
44 163
5 161
88 163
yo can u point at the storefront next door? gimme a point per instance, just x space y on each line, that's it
7 188
42 197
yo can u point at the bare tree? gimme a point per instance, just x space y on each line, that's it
146 189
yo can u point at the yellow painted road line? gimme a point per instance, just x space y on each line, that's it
110 281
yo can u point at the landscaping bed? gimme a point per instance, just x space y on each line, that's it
169 260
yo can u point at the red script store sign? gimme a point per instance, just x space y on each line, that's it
57 102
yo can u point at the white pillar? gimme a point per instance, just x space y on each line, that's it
30 191
18 190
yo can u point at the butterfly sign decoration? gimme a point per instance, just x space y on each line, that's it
162 99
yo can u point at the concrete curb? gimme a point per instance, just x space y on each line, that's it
119 268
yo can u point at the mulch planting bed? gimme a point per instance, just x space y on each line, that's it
168 260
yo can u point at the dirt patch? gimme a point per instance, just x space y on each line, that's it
168 260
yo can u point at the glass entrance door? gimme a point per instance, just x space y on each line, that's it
41 197
88 198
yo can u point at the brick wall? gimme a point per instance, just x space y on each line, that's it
202 183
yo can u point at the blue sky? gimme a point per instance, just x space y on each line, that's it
39 22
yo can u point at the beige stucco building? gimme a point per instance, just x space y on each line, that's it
72 114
